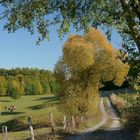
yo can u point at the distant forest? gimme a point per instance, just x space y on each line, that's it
25 81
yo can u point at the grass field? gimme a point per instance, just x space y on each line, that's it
39 107
23 135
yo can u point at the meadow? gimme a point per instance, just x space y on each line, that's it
38 107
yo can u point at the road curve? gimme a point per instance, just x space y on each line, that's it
114 116
103 120
85 134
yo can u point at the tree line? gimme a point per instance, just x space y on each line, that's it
25 81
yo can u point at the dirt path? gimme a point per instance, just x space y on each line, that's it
103 120
85 134
114 116
90 133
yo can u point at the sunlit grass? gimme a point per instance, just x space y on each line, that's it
23 135
39 107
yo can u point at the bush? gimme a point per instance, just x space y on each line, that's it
133 115
129 108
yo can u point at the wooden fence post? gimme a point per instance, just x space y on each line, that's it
65 123
81 119
69 124
73 122
31 127
52 124
86 117
77 122
4 131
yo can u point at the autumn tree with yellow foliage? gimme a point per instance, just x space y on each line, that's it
87 62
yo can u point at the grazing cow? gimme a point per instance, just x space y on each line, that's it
12 108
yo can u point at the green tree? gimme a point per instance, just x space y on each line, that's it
36 87
87 62
47 88
3 86
135 83
20 80
52 85
59 74
15 91
9 85
33 15
28 80
44 80
28 86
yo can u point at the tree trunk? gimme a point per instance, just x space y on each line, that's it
131 23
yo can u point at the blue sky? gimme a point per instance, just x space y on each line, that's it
19 49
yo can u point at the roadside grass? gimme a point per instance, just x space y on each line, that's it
123 94
91 120
129 111
109 120
24 135
94 117
38 107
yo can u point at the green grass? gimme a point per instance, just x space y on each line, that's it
91 121
39 107
23 135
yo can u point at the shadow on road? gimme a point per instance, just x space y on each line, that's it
107 93
103 135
